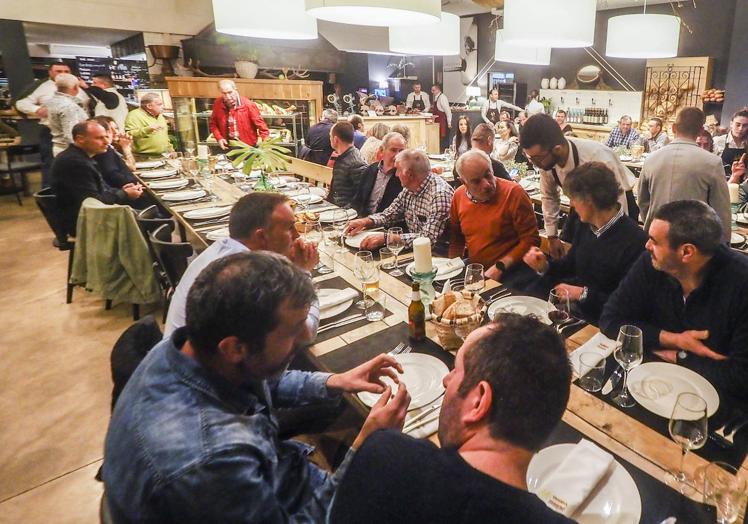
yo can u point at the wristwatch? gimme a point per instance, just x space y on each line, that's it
583 296
681 355
500 266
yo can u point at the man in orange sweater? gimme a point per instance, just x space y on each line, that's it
493 218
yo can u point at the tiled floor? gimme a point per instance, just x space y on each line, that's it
54 377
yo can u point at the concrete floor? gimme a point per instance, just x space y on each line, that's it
54 377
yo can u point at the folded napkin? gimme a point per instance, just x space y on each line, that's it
426 426
566 489
327 301
449 266
599 344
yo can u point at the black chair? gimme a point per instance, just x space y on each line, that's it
14 173
171 257
150 220
46 200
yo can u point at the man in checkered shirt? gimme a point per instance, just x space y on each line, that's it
624 134
423 204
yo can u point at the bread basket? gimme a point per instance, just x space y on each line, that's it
445 327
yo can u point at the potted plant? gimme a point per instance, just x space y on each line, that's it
246 64
267 156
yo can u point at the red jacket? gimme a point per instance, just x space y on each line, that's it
248 120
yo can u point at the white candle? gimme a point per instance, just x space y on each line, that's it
734 193
202 151
422 255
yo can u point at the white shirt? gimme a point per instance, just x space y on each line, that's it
589 151
442 104
534 108
489 104
725 141
119 113
423 97
39 98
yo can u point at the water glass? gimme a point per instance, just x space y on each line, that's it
474 280
386 258
560 310
331 235
724 489
628 353
591 371
377 306
366 271
340 221
687 427
395 243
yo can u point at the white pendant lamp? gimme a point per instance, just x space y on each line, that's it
376 12
657 36
441 39
550 23
283 19
519 54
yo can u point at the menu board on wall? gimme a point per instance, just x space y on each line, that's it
128 75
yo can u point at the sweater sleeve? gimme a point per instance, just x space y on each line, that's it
456 238
137 126
109 99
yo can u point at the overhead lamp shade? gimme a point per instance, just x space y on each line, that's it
520 54
441 39
550 23
662 36
282 19
384 13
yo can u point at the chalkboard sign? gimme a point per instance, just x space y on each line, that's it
128 75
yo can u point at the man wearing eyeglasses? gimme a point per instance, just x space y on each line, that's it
555 155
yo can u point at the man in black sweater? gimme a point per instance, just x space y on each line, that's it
318 148
379 186
602 251
483 138
689 295
112 166
506 393
75 175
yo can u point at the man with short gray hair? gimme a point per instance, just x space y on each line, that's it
623 135
148 127
64 112
379 186
423 203
236 117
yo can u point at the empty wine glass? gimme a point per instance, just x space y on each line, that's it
474 280
340 221
395 243
687 427
190 148
366 271
725 489
312 233
559 312
628 353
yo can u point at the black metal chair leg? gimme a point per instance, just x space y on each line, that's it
69 296
136 312
108 304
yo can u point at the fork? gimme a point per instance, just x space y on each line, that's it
397 349
729 437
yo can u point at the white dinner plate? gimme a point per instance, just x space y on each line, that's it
168 184
218 234
626 158
527 184
355 240
307 199
334 310
736 239
277 182
437 261
149 164
656 385
158 173
187 194
314 190
742 218
616 501
522 306
207 212
422 375
327 216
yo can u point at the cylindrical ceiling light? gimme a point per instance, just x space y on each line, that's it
519 54
662 36
384 13
282 19
442 39
550 23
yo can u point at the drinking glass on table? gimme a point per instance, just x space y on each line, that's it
591 371
395 243
474 280
724 489
193 168
208 180
190 148
366 271
313 235
629 353
687 427
559 301
340 222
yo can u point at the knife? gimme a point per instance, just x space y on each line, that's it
342 322
613 381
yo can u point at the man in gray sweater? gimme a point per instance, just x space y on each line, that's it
683 171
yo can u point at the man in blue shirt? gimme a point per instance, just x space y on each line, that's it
192 437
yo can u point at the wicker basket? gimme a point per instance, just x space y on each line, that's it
445 328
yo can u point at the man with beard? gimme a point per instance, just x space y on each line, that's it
688 293
192 437
505 395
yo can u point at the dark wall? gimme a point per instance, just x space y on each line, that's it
736 82
17 65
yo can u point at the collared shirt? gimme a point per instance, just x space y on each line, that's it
658 142
380 184
422 97
617 138
497 105
599 232
185 445
41 95
726 141
64 113
176 316
442 104
425 212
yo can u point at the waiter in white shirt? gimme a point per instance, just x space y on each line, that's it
442 114
34 105
109 102
491 108
417 100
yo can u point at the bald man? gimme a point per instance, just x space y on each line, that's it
236 117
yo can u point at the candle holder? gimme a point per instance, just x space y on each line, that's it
426 281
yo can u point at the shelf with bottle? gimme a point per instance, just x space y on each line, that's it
587 115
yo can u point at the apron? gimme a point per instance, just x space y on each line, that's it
441 118
418 103
493 113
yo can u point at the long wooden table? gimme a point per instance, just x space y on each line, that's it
609 427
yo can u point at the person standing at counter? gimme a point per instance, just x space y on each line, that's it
147 126
733 144
490 111
623 135
442 114
417 100
317 148
236 117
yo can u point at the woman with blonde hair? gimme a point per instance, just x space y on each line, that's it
374 140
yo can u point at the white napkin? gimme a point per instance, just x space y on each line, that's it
449 266
337 298
575 478
599 344
429 427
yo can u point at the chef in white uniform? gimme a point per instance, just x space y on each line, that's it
417 99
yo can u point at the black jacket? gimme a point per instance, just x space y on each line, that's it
113 169
366 185
76 177
318 148
346 174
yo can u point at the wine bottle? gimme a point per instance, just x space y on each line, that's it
416 315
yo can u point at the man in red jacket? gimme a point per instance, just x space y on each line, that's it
236 117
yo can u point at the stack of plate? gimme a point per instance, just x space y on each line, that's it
168 184
158 173
207 212
187 194
149 164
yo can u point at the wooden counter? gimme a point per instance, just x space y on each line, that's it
423 130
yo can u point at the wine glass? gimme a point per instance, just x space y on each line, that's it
395 243
687 427
474 280
190 148
464 311
208 179
194 168
724 488
628 353
367 273
559 312
313 235
340 221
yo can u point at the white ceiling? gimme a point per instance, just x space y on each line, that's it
37 33
468 7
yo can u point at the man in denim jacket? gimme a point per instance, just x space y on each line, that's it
192 438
